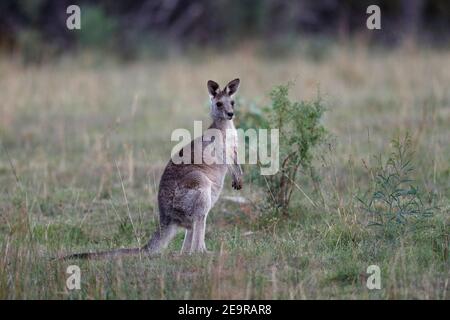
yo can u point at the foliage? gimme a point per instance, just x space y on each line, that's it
394 197
218 23
300 131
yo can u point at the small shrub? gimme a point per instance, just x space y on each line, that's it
394 198
300 131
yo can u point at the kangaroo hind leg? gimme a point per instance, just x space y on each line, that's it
200 211
187 243
198 238
161 238
192 202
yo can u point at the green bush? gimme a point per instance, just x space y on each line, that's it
300 131
394 198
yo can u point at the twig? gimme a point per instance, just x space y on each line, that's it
273 197
298 187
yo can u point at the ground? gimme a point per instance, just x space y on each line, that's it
84 140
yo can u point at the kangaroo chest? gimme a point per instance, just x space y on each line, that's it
226 155
231 144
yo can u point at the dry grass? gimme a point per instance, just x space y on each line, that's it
68 129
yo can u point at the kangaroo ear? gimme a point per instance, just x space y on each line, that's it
213 88
232 87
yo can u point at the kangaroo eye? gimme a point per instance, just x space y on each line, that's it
232 103
219 104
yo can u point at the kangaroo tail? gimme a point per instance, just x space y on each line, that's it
157 242
103 254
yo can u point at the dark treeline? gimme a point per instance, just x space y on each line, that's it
126 25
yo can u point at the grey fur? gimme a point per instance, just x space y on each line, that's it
187 192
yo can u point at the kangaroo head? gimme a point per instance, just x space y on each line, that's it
222 102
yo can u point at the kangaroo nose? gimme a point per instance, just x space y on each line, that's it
230 114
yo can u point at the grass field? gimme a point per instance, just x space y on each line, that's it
84 141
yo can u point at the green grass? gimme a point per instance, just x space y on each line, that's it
76 129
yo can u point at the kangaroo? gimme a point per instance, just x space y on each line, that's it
187 192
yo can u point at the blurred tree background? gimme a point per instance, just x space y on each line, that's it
38 27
